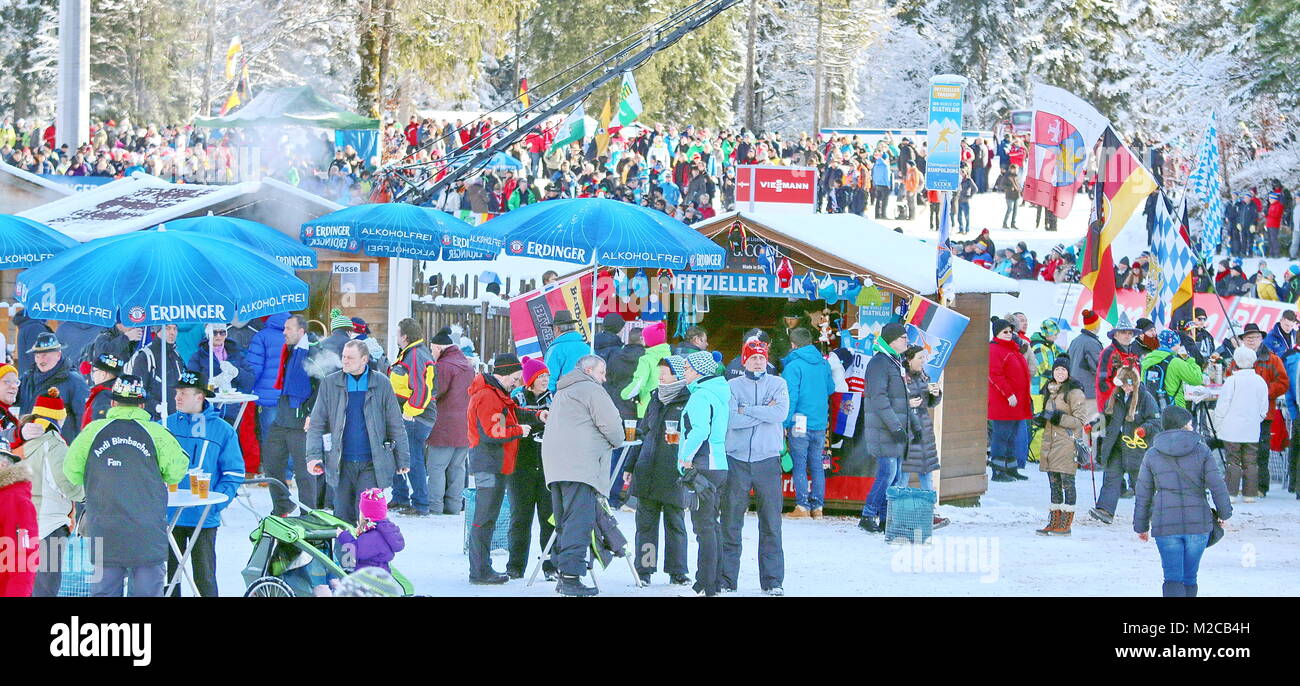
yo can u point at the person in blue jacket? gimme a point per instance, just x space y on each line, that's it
227 352
567 348
263 358
212 447
1284 341
808 376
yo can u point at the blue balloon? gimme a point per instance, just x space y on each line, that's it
25 243
150 278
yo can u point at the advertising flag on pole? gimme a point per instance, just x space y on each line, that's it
629 101
936 329
1205 183
1065 128
573 128
236 70
602 132
943 268
943 137
1122 185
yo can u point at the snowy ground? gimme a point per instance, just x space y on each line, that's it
990 550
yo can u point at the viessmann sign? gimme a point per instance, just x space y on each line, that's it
776 189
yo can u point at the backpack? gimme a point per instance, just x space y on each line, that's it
1154 380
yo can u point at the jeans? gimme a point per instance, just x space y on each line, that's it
889 472
146 581
527 491
1022 445
418 496
963 216
764 477
1002 443
925 481
1010 214
806 453
203 561
48 580
446 477
1180 556
489 492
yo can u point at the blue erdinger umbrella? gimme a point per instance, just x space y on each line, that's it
250 233
25 243
150 278
605 232
393 230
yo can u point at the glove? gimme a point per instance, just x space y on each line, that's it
1055 417
900 435
1040 420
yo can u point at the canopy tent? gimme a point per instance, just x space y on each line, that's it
299 106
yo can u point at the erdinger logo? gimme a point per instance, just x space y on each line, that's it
310 231
780 185
21 291
446 240
135 314
352 245
516 247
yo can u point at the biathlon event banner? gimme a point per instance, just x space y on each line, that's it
935 328
943 165
532 314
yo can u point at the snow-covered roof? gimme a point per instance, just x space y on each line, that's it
10 174
141 201
906 260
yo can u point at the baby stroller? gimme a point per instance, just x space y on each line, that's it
293 555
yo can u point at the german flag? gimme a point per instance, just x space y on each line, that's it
1123 185
523 93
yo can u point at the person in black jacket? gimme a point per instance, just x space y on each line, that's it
607 340
526 486
621 367
655 481
117 340
886 429
50 370
1132 419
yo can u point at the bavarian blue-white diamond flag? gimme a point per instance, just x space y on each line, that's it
1205 183
1172 268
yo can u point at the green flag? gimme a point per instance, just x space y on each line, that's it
574 128
629 101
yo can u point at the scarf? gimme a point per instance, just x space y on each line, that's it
881 346
669 391
220 353
293 379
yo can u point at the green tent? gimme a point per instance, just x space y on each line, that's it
301 106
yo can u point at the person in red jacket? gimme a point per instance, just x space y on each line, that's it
1123 350
494 433
1009 404
19 532
1271 369
1273 219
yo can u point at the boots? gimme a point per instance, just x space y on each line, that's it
1189 590
1173 589
1014 473
1053 522
1063 525
572 587
1102 515
1001 476
870 525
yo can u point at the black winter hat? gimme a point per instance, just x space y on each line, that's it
443 337
1061 361
506 364
1175 417
613 322
998 324
1145 325
892 332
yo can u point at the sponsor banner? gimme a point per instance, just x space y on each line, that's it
78 183
23 260
763 188
563 253
532 314
943 134
330 237
935 328
744 285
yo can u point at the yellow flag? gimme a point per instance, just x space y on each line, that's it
602 133
233 55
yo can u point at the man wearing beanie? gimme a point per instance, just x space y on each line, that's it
736 368
702 457
885 423
1201 337
44 452
1084 352
413 378
125 462
213 446
494 435
607 339
808 377
760 402
576 461
568 347
340 333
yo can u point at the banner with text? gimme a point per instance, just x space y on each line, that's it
532 314
943 164
762 188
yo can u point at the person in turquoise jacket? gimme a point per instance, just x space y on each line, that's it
212 446
702 458
808 376
564 352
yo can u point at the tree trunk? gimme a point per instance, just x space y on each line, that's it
369 49
748 90
817 76
208 46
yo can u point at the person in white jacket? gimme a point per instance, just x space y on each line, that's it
1242 405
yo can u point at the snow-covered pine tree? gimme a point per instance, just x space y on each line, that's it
29 53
